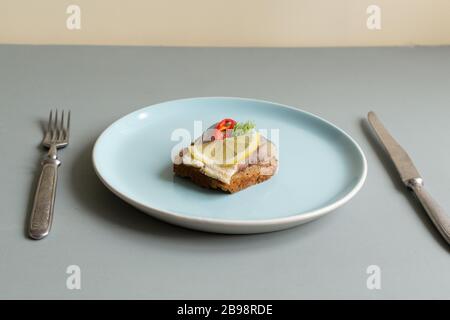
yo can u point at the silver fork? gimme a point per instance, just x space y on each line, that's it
55 137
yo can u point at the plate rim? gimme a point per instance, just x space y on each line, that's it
299 217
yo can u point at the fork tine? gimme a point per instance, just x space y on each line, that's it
49 125
55 126
68 125
61 127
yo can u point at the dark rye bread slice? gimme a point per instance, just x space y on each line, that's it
244 178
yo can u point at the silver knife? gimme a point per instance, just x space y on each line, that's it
411 177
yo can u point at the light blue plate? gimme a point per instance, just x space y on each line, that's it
320 166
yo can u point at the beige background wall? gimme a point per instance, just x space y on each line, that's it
226 22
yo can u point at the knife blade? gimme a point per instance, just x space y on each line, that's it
399 156
411 177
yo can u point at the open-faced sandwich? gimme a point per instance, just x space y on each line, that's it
229 156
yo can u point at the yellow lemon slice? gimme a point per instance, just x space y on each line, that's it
230 151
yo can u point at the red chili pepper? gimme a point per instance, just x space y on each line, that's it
225 124
223 128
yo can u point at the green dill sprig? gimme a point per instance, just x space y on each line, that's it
242 128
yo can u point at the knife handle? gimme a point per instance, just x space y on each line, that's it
436 213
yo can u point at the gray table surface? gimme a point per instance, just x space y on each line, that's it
123 253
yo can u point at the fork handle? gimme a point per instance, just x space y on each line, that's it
44 199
